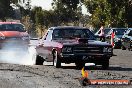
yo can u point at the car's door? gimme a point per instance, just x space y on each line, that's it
45 46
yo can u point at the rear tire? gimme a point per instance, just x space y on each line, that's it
105 64
130 48
39 60
56 60
123 48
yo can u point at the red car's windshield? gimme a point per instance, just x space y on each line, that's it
12 27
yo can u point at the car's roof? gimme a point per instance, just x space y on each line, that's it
107 28
130 28
67 27
118 28
10 23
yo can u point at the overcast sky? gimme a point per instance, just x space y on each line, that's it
46 4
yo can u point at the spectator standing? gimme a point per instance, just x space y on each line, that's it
102 35
112 38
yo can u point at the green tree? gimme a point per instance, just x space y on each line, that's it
128 12
66 10
116 13
5 8
37 16
100 11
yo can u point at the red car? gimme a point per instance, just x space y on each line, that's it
72 45
13 36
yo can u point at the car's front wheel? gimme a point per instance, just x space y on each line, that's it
56 60
130 48
105 64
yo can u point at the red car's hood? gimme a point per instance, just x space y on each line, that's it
12 33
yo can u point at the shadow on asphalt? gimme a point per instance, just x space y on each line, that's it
98 68
68 67
114 55
120 69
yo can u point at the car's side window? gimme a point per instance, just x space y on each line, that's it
109 33
130 33
127 32
57 34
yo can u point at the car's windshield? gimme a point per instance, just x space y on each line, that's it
106 30
130 33
72 33
119 31
12 27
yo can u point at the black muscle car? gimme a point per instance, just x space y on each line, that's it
69 44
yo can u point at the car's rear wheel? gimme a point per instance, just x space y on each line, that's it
123 47
79 65
56 60
130 48
105 64
39 60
